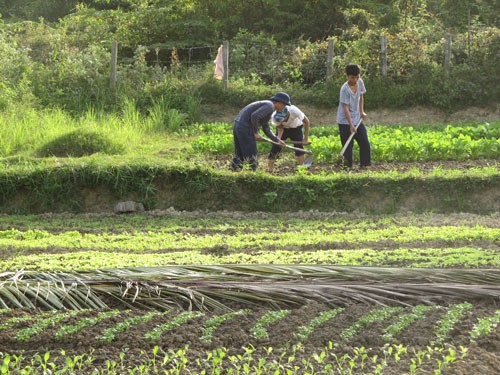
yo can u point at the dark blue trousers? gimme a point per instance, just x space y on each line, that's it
245 147
295 134
361 137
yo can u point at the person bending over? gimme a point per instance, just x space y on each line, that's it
246 127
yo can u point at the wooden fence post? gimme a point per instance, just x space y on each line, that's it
225 55
383 56
114 59
447 56
329 61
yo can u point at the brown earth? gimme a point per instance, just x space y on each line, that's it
411 116
234 335
287 165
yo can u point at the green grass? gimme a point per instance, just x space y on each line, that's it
23 133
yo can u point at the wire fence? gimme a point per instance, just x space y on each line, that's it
308 63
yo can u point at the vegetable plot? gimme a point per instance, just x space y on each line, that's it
359 339
250 293
389 143
81 243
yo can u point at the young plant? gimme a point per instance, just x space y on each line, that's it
376 315
485 326
109 334
259 331
179 320
304 332
42 324
84 323
448 322
404 321
15 320
213 323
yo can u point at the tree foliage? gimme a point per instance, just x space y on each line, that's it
57 53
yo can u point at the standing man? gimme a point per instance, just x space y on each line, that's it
350 113
246 129
291 123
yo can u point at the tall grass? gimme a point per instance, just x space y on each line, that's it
24 130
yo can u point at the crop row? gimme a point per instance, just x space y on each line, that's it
223 221
293 358
63 325
361 361
80 242
389 143
248 361
68 259
151 241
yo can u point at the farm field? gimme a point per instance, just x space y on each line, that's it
294 276
306 292
129 246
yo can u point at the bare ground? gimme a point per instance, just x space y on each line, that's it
411 116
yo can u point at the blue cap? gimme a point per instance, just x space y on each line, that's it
282 97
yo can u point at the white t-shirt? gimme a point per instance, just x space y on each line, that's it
348 97
295 118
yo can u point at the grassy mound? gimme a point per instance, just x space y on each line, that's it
79 143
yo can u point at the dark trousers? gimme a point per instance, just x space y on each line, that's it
295 134
361 137
245 147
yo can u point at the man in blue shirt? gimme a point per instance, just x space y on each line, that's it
246 129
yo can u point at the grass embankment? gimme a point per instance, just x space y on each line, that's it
53 162
97 183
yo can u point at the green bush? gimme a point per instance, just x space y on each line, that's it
66 63
80 143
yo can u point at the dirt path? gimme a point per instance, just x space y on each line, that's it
412 116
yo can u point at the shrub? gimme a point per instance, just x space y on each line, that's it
80 143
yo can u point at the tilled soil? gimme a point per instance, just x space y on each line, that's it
235 334
287 165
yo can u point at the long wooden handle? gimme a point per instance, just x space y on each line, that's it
350 139
309 152
298 143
